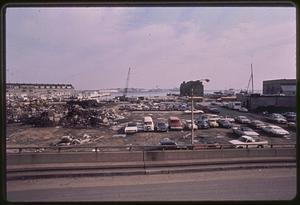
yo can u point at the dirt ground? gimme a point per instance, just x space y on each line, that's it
21 135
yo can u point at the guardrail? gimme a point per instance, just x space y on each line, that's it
19 149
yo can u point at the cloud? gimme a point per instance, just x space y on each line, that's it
93 48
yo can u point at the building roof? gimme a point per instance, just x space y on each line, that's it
283 81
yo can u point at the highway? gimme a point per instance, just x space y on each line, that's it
236 185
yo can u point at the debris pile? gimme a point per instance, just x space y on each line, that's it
71 140
70 114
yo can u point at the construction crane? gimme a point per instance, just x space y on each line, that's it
123 98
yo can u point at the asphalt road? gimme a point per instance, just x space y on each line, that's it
259 184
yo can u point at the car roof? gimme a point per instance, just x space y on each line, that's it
174 118
247 137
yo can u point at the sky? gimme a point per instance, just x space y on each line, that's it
93 48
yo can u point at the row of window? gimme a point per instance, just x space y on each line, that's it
41 87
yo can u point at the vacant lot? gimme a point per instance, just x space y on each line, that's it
21 135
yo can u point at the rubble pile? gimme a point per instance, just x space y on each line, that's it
70 114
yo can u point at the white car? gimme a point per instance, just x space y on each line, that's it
131 128
210 117
243 109
244 131
248 142
194 111
242 119
188 124
230 119
257 124
275 130
277 118
213 123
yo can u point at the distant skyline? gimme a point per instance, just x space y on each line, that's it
92 48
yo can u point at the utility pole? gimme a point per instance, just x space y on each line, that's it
127 83
252 77
192 111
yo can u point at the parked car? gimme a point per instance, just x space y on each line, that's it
175 123
168 144
161 127
275 117
292 125
224 123
131 128
140 126
257 124
188 125
213 110
243 109
249 142
275 130
244 131
290 116
207 145
203 124
209 117
194 111
148 124
230 119
242 120
213 123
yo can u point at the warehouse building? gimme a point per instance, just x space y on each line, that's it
32 89
280 87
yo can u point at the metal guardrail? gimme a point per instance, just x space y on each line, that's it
18 149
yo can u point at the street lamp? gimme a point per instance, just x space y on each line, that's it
192 110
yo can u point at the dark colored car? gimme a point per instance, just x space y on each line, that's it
290 116
203 124
213 110
224 123
161 127
207 144
168 144
244 131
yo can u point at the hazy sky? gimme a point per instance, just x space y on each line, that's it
92 48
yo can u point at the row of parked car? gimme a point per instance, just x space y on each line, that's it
204 121
161 125
281 118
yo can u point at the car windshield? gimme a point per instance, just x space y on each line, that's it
131 124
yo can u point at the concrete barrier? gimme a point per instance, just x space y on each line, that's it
46 158
216 153
136 156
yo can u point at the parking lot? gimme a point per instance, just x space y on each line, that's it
22 135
